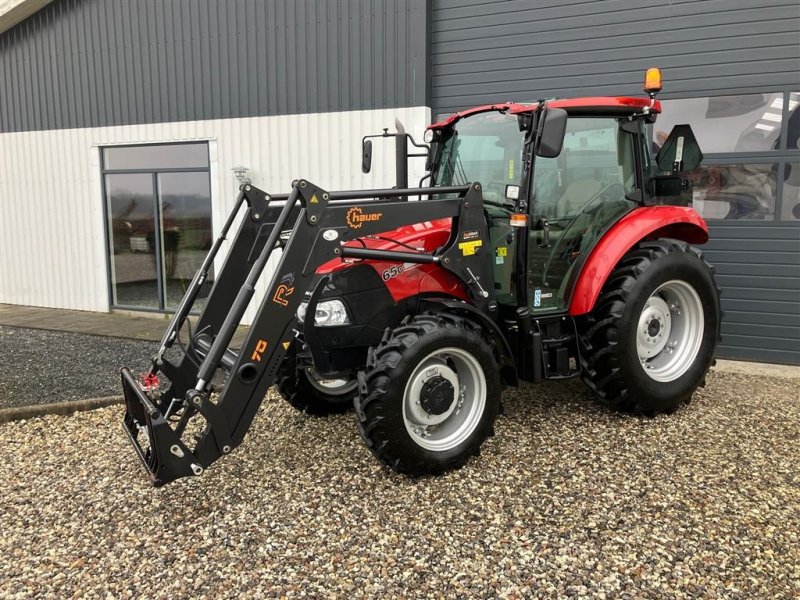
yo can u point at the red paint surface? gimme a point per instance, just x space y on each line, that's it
643 223
648 222
416 278
599 102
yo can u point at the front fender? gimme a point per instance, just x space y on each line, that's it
648 222
508 369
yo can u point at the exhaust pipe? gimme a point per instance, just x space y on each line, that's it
401 156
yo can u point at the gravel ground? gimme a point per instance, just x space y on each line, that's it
39 367
567 499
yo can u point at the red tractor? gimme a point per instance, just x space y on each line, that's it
549 244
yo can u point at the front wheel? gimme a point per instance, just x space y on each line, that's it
309 391
651 338
429 394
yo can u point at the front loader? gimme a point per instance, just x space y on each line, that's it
549 244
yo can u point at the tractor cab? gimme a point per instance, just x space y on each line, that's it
563 172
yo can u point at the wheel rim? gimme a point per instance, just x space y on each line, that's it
444 399
670 331
329 385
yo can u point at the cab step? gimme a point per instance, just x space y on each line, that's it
559 356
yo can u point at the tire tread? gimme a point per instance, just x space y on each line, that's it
598 332
374 383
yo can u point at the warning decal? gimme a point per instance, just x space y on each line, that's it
469 248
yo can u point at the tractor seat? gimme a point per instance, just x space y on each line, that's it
576 195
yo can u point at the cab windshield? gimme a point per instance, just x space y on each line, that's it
485 148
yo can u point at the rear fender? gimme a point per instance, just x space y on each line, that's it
650 222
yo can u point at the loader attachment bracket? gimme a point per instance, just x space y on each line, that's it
258 201
164 456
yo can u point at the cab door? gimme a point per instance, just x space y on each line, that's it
575 198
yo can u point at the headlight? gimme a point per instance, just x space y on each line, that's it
329 313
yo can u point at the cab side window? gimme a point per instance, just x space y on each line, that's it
596 155
576 196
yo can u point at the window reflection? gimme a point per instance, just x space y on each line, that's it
131 215
743 123
186 225
793 124
735 191
791 192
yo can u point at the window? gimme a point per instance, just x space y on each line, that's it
736 191
158 209
156 157
793 122
595 156
791 192
745 123
750 142
484 148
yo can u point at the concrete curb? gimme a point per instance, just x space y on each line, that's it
758 369
18 413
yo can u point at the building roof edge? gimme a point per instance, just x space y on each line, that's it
13 12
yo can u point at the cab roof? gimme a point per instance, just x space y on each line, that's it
575 106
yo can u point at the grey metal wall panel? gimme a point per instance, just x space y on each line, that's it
484 51
758 268
496 50
88 63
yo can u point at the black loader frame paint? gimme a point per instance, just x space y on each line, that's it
318 223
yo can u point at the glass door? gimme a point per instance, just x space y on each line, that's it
131 209
158 209
185 212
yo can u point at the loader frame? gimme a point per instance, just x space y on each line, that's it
318 224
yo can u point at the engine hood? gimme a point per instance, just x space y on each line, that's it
422 237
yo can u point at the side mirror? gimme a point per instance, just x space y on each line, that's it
430 156
674 187
366 156
680 151
552 133
668 185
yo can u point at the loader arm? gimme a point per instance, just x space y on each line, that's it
160 425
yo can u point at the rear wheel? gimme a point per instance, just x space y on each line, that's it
311 392
429 394
650 340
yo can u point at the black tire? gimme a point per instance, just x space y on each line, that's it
297 388
610 362
382 386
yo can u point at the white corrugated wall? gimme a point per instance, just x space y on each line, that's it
52 243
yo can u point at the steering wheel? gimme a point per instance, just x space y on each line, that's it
606 194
